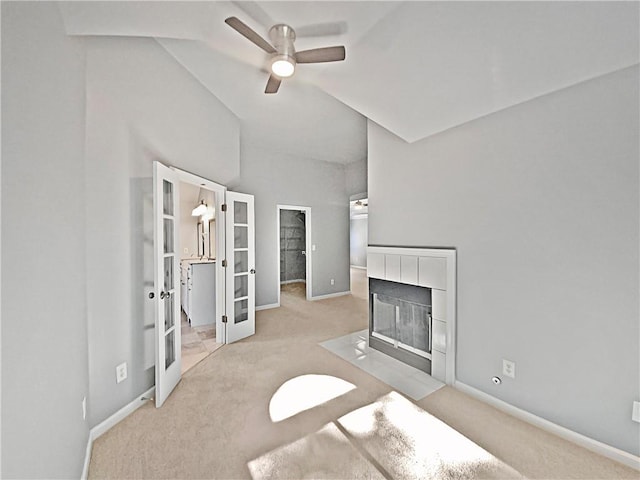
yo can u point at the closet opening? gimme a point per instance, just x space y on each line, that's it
294 241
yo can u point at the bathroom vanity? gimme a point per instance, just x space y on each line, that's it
198 290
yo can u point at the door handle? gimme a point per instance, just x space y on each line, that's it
152 295
252 271
164 295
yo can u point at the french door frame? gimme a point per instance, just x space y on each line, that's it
220 193
308 246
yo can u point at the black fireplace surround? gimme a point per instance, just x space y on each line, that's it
400 322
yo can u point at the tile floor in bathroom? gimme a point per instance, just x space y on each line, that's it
197 343
355 349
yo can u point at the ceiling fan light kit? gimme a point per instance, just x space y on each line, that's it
283 55
283 66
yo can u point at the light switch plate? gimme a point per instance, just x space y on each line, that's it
635 416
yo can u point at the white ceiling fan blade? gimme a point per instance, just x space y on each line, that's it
247 32
320 55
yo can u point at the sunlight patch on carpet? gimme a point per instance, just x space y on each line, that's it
389 438
326 453
304 393
409 443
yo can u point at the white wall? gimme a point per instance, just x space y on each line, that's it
44 328
188 224
277 178
141 105
358 234
541 202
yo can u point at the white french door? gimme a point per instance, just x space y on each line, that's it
166 280
240 272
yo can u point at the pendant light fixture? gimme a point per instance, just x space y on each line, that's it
201 209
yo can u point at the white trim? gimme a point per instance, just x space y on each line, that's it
308 252
121 414
267 307
87 458
444 252
359 268
608 451
111 422
331 295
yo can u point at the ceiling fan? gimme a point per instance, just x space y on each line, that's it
283 56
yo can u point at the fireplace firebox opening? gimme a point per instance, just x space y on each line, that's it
400 321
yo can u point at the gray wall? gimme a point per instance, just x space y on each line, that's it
541 202
44 328
358 241
356 177
277 178
141 105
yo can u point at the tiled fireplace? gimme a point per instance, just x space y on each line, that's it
412 307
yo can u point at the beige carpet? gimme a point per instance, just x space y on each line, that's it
277 405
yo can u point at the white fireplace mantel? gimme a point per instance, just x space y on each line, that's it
434 268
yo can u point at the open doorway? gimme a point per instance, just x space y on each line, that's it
294 259
198 254
358 241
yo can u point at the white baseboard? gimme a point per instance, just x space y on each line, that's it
110 422
267 307
603 449
87 458
331 295
358 267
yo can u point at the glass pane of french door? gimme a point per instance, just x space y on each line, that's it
241 274
241 271
168 223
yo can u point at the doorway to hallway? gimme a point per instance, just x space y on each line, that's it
358 242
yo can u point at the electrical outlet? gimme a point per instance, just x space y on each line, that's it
121 372
313 248
333 281
509 368
635 416
84 408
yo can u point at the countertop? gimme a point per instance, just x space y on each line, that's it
194 260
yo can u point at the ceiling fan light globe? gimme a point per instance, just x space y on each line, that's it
283 67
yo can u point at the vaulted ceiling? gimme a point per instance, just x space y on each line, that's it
415 68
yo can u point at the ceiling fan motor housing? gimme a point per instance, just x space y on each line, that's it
282 37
